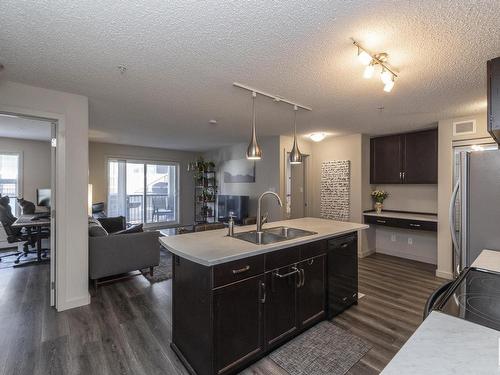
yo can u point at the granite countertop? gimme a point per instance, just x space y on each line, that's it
444 344
404 215
214 247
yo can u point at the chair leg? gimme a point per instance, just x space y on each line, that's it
151 271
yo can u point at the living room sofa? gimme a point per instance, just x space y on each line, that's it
118 249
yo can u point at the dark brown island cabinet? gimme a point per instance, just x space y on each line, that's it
410 158
493 82
229 315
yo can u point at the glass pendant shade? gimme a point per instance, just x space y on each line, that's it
254 152
295 154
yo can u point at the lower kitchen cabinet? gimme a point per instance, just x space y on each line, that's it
238 328
227 316
311 290
280 306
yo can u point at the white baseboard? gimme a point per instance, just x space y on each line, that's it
366 252
444 274
406 255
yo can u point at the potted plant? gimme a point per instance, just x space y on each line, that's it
379 196
210 166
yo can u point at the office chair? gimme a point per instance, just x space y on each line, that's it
16 235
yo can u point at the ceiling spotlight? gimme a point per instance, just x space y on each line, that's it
369 70
389 85
364 57
317 137
386 76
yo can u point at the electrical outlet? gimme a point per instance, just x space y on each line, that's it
393 238
410 241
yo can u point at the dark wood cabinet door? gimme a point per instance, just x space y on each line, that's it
311 290
420 157
280 307
493 68
238 329
386 160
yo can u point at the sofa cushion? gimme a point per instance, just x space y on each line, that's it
132 229
96 229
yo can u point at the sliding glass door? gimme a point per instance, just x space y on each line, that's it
10 177
143 191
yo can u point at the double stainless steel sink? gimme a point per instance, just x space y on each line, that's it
272 235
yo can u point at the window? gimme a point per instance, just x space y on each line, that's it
143 191
10 175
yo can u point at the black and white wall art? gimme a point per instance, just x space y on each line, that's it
335 187
238 171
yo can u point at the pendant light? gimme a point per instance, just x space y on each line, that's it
254 152
295 155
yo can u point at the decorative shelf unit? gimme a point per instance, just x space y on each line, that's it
205 197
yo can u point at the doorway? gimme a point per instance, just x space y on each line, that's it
27 202
296 188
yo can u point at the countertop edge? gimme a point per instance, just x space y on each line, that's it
266 249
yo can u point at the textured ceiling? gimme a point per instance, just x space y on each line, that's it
182 57
14 127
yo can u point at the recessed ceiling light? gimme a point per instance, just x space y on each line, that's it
317 137
212 122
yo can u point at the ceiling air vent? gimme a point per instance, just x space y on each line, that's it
464 127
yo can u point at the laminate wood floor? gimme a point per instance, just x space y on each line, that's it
127 327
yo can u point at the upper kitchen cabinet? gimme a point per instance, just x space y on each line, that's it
385 160
409 158
493 68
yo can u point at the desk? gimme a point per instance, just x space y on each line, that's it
25 221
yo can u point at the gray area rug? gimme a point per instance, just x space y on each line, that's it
323 349
164 270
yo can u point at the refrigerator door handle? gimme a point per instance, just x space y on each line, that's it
452 224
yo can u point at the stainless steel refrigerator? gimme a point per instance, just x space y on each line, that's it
475 204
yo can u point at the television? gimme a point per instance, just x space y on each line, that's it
232 205
43 197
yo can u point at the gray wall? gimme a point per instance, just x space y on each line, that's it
100 152
36 168
267 174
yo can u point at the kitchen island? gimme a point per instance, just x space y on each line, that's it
235 301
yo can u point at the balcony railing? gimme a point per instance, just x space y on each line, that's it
160 208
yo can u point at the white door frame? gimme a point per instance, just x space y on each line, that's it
57 122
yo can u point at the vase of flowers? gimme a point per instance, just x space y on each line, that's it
379 196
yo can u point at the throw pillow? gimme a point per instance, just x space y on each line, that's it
132 229
96 229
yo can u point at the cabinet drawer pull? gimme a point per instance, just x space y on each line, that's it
344 299
381 221
277 274
303 273
241 270
414 225
344 245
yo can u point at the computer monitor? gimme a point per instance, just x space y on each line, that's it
43 197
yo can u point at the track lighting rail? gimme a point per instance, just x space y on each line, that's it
276 98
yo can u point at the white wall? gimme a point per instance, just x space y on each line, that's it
445 170
267 174
71 189
100 152
413 198
36 163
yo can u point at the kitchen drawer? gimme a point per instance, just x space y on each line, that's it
240 269
402 223
282 258
313 249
